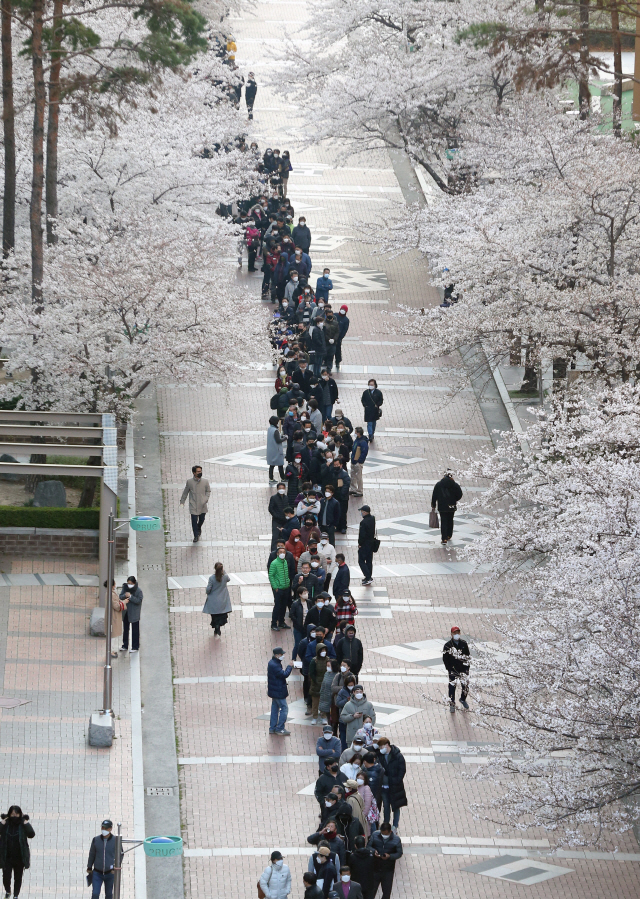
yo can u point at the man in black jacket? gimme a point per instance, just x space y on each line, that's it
250 92
366 535
102 859
330 510
330 833
361 867
456 659
327 781
278 502
302 377
338 477
447 494
351 649
387 849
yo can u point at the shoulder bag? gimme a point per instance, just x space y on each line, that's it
261 892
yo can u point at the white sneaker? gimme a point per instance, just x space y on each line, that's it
314 720
133 650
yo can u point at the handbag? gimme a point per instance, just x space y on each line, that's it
376 543
261 892
378 413
433 519
374 813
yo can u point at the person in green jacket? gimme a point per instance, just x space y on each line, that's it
281 586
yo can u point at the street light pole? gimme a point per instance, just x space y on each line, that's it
107 687
117 867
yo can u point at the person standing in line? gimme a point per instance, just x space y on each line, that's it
330 513
394 796
278 502
350 649
15 854
327 555
102 860
366 536
354 710
198 490
132 593
317 671
311 888
250 92
387 849
302 235
343 324
275 449
281 585
361 866
323 285
275 880
277 691
343 577
331 335
285 170
218 603
359 453
372 399
329 395
327 747
447 494
457 659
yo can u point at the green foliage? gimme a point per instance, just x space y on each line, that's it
483 34
34 517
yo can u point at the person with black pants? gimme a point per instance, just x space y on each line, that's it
250 92
102 860
131 615
15 856
387 849
372 399
278 502
447 494
366 536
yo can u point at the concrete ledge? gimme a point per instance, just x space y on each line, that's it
57 542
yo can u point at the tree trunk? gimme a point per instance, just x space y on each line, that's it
90 484
530 379
35 459
8 123
51 175
515 349
37 176
617 69
559 375
584 94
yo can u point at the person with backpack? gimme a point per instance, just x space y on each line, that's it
447 494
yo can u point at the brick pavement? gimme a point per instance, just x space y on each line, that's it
47 768
249 805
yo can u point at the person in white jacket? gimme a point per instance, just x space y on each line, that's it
275 880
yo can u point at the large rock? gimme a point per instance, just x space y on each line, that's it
5 457
50 493
96 625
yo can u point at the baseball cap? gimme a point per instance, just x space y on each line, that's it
364 509
107 823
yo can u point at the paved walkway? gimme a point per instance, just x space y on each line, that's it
244 792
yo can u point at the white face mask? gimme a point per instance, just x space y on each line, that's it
456 637
384 750
323 655
345 878
375 745
281 555
385 836
314 564
360 781
319 605
343 668
328 804
105 833
327 736
280 490
294 278
358 695
326 274
372 386
279 863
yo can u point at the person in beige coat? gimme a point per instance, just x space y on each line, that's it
198 490
117 608
355 800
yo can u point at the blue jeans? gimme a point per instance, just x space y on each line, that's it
297 637
386 804
371 428
327 412
98 879
279 709
342 733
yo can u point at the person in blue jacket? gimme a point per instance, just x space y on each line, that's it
278 691
311 646
323 286
327 746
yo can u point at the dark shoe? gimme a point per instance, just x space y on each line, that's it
452 706
464 703
273 731
195 539
253 270
217 632
274 627
367 583
443 542
308 713
283 733
284 627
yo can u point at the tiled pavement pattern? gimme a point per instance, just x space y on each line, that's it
248 791
48 659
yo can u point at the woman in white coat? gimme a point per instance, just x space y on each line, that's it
275 880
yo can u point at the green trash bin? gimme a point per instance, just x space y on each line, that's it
163 847
146 523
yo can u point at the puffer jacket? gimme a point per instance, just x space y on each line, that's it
350 709
276 882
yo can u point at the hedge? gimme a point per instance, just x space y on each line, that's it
43 517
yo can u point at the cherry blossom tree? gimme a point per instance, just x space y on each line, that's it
563 694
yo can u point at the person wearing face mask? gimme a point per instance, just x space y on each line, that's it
368 733
323 285
341 699
329 395
293 290
296 613
275 449
338 477
329 833
308 505
332 335
359 454
296 474
342 579
343 325
327 555
15 854
355 709
131 615
375 774
370 806
275 880
387 849
361 864
317 671
447 494
320 639
278 502
326 782
277 691
372 400
351 649
198 490
307 556
348 888
302 235
280 580
352 767
394 796
102 860
327 746
292 523
302 377
321 865
317 345
330 511
456 658
366 537
305 578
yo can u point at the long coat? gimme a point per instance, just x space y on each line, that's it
317 671
25 832
395 768
218 599
371 400
198 492
116 614
275 450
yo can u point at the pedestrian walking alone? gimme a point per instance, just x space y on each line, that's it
198 490
447 494
372 399
132 593
15 856
250 92
102 860
218 603
275 880
457 659
277 691
366 537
